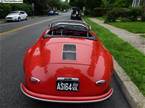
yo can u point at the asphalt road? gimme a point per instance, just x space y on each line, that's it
12 48
12 25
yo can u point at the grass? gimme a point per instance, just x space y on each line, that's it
100 18
135 27
142 35
130 59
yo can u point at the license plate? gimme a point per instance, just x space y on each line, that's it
67 84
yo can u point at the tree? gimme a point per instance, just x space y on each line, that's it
122 3
78 3
42 6
89 4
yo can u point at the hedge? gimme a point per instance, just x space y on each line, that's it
96 12
7 8
125 14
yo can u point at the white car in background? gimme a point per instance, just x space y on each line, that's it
16 16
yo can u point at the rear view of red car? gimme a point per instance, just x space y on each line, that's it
68 64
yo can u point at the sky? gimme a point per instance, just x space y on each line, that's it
63 0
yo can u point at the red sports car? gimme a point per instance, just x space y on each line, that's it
68 64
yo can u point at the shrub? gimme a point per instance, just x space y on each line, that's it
125 14
100 12
24 7
143 17
6 8
96 12
116 13
134 13
111 16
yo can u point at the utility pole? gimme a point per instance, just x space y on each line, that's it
33 8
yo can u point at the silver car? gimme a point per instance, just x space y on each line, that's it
16 16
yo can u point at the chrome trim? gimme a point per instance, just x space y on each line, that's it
34 79
99 82
65 78
71 23
70 51
59 101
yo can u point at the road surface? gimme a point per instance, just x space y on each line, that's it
12 48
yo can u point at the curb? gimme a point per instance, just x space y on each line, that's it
134 97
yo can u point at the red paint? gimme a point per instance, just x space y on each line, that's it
44 61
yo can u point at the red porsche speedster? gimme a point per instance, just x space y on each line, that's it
68 64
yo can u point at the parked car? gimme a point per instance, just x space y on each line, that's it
56 12
68 64
16 16
51 12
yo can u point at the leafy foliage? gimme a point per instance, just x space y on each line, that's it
122 3
124 14
101 6
6 8
42 8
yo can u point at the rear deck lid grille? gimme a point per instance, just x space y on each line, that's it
69 52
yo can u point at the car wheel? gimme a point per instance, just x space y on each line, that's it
19 19
26 19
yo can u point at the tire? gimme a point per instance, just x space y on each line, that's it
26 19
19 19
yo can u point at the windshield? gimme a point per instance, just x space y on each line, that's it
69 30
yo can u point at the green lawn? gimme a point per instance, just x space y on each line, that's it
130 59
100 18
135 27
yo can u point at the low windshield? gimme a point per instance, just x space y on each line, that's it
69 30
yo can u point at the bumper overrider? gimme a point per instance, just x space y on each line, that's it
49 98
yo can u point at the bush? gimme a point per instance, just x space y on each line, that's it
143 17
116 13
100 12
111 16
125 14
134 13
6 8
96 12
24 7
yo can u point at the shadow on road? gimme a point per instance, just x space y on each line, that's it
41 104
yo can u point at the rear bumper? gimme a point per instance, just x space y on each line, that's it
11 19
49 98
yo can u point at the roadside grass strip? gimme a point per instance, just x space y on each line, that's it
129 58
101 18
